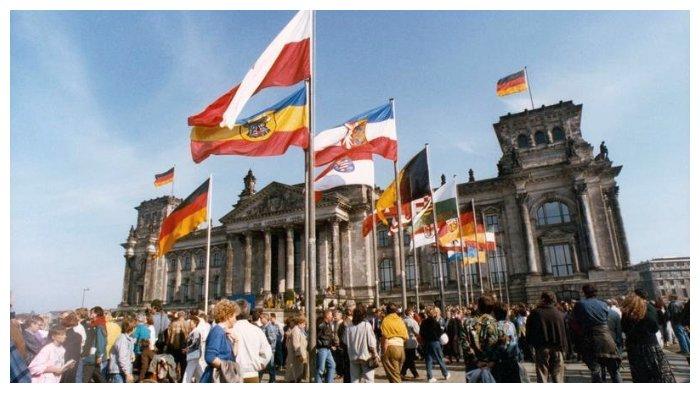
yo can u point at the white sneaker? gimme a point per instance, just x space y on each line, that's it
431 380
447 376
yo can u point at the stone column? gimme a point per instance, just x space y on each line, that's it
335 233
228 272
346 279
397 260
289 282
323 268
530 241
281 258
267 266
248 267
127 281
625 250
582 191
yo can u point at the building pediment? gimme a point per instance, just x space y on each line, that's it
273 200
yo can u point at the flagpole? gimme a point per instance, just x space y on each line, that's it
374 249
311 214
206 268
399 213
172 184
504 268
416 257
488 264
439 255
458 273
529 88
461 243
476 242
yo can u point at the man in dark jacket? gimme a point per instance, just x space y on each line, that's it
95 345
326 341
675 314
598 348
546 332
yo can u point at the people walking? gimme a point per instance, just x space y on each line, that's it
411 346
430 332
675 311
646 358
326 342
221 341
194 353
72 346
598 348
394 337
361 341
546 332
297 354
254 352
274 336
48 365
122 354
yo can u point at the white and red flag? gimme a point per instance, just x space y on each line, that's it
286 61
357 168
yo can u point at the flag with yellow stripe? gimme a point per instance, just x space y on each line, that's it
184 219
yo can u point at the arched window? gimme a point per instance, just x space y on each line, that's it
386 274
186 262
558 134
523 141
541 138
218 259
185 290
553 213
410 273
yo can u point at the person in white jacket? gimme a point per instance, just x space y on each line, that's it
254 351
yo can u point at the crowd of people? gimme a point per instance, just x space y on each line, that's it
236 343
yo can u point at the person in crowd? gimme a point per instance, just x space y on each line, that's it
479 336
598 348
83 316
95 345
193 353
546 332
19 372
662 318
72 346
520 325
297 354
452 348
147 355
675 310
152 336
394 336
254 353
161 322
122 354
279 346
48 365
339 352
272 333
413 330
645 356
430 332
32 339
326 342
345 322
361 344
221 340
178 330
113 332
141 332
507 367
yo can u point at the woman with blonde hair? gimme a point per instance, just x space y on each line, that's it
221 343
646 358
297 355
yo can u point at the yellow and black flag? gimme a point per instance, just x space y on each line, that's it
184 219
165 177
414 183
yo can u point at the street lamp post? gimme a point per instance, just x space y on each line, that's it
82 302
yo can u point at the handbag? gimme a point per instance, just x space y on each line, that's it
444 339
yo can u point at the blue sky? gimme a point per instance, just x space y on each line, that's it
99 102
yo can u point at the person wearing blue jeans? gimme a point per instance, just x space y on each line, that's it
431 331
327 340
675 311
433 353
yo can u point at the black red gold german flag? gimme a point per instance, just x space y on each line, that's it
513 83
184 219
165 177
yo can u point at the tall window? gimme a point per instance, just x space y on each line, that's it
218 259
553 213
200 288
497 265
386 274
473 274
186 262
558 134
410 273
436 270
172 263
541 138
382 238
492 223
200 260
185 289
558 258
214 287
171 291
523 141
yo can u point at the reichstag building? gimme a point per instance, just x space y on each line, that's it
553 208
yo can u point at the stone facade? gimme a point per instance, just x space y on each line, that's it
553 207
664 276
